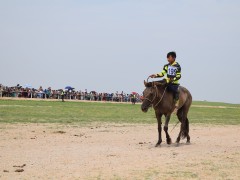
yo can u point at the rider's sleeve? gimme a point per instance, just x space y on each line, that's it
164 71
178 74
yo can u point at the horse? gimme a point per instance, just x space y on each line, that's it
156 95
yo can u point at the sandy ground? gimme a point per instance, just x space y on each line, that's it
116 151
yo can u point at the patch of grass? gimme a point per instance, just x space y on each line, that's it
71 112
14 111
183 174
153 174
224 169
206 115
171 174
205 103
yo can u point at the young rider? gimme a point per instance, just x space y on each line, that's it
173 72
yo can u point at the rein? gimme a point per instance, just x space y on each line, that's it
162 96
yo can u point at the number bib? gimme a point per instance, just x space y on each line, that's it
172 71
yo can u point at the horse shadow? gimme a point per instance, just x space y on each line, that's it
173 145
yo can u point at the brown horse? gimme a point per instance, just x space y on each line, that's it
157 96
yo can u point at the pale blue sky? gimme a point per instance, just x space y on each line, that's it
114 45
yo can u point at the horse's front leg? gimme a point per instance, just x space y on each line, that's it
159 119
169 140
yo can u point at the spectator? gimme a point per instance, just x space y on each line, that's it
62 95
19 91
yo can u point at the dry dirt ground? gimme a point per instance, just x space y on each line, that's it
116 151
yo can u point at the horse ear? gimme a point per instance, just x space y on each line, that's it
148 84
159 83
145 83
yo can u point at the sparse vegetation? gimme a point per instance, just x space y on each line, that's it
22 111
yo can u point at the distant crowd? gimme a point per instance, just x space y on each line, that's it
67 93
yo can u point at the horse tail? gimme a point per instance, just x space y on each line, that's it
185 128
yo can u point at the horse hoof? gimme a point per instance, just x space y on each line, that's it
169 141
158 144
188 142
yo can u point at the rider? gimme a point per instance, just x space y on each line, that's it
173 71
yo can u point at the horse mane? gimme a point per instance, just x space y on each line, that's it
155 83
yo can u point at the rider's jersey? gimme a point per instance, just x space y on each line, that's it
172 71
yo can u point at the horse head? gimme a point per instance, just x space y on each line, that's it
150 93
148 96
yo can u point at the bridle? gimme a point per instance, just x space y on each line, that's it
156 95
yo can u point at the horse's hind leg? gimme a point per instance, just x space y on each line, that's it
188 137
169 140
178 138
179 115
184 130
